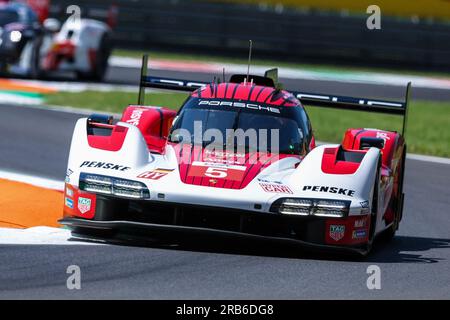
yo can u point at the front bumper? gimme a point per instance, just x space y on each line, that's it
138 230
170 220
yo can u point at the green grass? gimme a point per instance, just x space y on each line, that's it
269 63
428 130
114 101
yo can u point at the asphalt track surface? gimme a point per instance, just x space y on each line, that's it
415 265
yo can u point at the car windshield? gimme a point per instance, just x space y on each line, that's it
7 17
234 125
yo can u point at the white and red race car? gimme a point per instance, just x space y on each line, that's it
33 45
82 46
238 159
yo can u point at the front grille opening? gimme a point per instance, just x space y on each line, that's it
209 219
140 211
212 218
266 225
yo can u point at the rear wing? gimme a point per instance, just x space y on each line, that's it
399 108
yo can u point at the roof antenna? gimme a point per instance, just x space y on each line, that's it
249 59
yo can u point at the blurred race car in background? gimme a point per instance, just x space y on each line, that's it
33 45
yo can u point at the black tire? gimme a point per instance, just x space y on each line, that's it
3 69
35 68
83 76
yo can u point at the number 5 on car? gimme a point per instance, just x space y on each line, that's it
216 170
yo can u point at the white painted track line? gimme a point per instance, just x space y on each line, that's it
424 158
33 180
39 236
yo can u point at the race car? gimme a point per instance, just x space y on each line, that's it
82 46
238 159
34 49
20 33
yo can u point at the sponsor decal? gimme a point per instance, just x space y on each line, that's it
365 207
216 171
68 202
235 104
135 117
222 154
84 204
337 232
359 234
364 204
69 192
68 173
224 157
383 135
269 181
336 190
361 223
155 174
275 188
103 165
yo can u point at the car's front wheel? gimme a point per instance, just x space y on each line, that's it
397 200
373 213
36 71
3 69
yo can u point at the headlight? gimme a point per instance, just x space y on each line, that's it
330 208
301 207
311 207
15 36
113 186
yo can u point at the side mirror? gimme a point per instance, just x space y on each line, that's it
52 25
176 138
